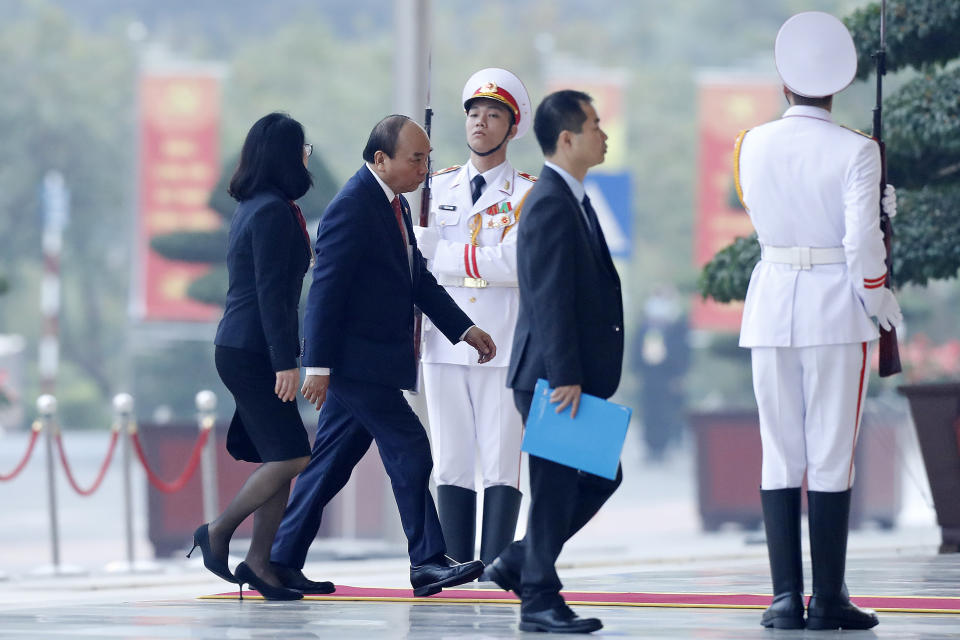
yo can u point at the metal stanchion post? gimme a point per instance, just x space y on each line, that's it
123 409
127 426
206 402
47 406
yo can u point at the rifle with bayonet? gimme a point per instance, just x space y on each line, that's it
424 221
889 350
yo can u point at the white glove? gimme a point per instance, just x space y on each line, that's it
427 239
888 313
888 201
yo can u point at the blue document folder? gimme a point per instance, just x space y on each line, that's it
591 442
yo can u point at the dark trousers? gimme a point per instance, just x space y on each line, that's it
354 414
562 501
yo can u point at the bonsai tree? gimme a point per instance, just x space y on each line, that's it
922 135
210 247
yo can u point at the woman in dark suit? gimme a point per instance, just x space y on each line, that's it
257 345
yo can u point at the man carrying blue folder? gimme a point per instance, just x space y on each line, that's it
569 332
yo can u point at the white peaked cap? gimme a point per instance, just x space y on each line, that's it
502 86
815 55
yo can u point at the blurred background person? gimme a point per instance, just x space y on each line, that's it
661 357
258 346
472 245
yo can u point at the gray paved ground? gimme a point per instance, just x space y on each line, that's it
647 539
164 606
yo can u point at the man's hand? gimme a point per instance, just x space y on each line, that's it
567 396
427 240
314 389
888 201
482 342
286 386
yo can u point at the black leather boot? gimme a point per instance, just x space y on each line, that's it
457 508
781 519
830 606
501 508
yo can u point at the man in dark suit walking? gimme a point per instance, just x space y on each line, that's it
358 352
570 332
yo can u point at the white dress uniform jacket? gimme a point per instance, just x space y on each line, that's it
807 182
493 259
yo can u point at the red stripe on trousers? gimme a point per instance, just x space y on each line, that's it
856 428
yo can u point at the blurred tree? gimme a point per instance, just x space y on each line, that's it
58 115
210 247
922 134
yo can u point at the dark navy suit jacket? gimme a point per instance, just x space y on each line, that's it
570 325
267 256
359 314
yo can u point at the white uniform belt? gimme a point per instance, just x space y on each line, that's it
471 283
803 257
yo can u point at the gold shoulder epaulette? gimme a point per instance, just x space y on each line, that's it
527 176
447 170
736 167
865 135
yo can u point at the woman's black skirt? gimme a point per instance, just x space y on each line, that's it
263 429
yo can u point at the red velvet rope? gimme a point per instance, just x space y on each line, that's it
176 485
100 474
26 458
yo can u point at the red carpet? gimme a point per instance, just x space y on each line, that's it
907 604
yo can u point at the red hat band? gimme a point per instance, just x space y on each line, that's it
492 91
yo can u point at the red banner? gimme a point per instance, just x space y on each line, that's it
179 165
727 105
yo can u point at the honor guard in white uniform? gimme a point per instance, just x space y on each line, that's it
812 190
471 242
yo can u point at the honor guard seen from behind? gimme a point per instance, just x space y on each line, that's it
471 242
812 190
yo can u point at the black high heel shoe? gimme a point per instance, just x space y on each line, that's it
201 538
245 575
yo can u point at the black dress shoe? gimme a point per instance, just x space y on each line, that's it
838 613
430 577
560 619
294 579
504 577
217 566
246 575
786 612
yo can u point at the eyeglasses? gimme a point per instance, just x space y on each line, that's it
307 149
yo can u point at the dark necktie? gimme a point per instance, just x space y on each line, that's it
398 213
591 216
477 183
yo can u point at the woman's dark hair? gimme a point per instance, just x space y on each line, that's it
560 111
384 136
272 158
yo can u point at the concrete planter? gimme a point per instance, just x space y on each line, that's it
936 415
728 469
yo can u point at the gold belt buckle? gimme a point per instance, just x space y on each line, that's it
475 283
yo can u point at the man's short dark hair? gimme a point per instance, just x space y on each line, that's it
823 102
384 136
272 158
559 111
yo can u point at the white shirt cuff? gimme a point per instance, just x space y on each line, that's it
464 334
317 371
